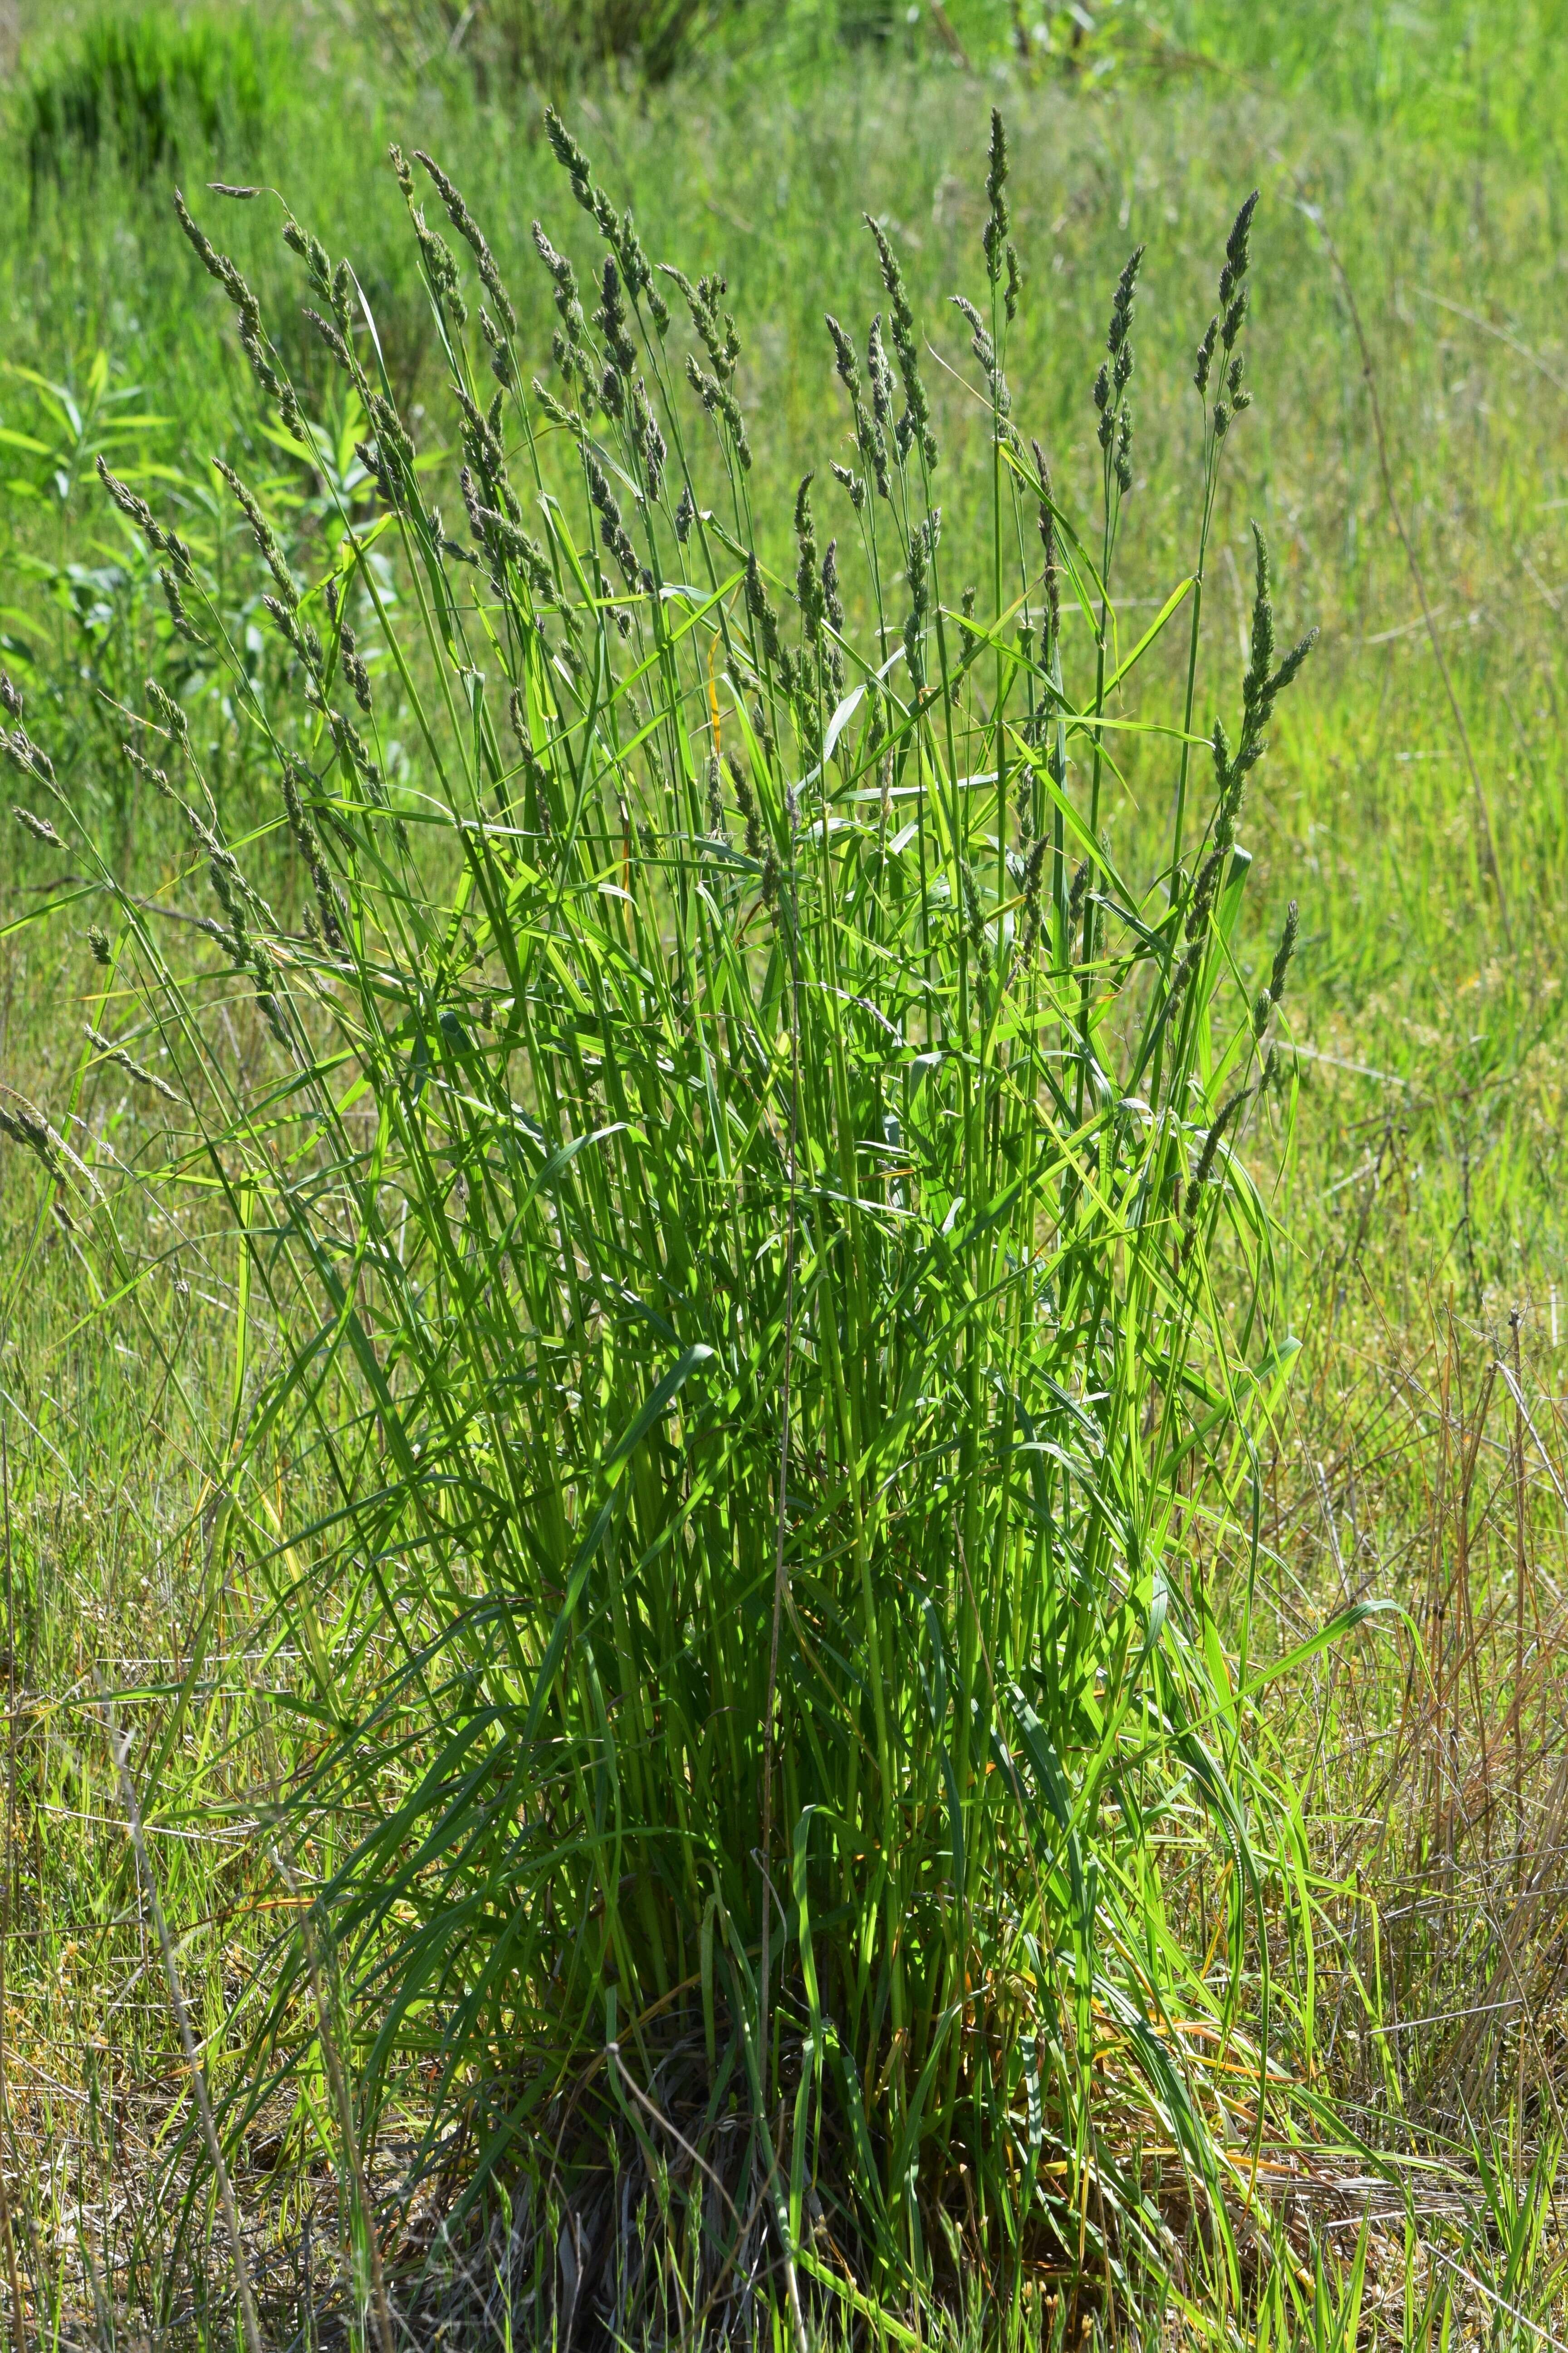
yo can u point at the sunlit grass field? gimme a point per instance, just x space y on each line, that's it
1405 456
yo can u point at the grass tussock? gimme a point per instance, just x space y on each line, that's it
730 1172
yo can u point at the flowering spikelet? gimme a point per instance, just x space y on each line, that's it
619 234
504 541
354 669
746 802
759 607
969 638
300 636
1262 686
1228 1111
463 221
1115 429
612 320
10 696
310 850
137 510
1264 683
332 338
807 586
612 531
184 625
38 826
29 757
1050 587
903 330
1117 341
716 799
98 942
440 267
986 353
168 713
649 442
28 1127
144 768
569 344
869 440
355 756
998 250
1224 328
253 343
265 536
313 253
112 1052
914 626
716 329
1268 998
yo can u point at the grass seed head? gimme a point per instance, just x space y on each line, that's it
746 802
265 536
331 336
144 768
845 359
1284 952
463 221
832 596
313 253
136 511
852 483
111 1051
1229 1113
759 607
184 625
915 421
1050 587
10 696
1117 341
612 319
996 237
651 445
30 1129
612 531
38 826
29 757
807 586
1124 450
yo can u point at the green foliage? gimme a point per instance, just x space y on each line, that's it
134 87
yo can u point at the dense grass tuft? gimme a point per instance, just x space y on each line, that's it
765 1323
136 88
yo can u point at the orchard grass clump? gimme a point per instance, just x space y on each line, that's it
754 1328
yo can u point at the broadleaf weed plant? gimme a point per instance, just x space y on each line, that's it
753 1319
